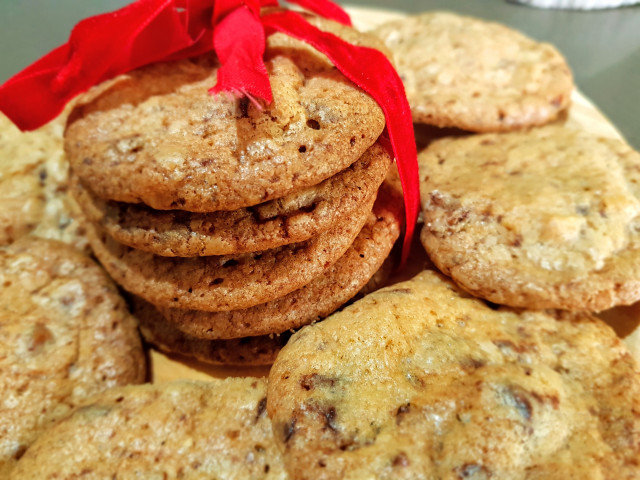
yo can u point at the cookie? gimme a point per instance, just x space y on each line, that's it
476 75
33 186
183 429
543 219
65 334
292 219
226 282
420 380
247 351
158 137
319 298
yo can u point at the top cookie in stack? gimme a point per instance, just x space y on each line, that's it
268 203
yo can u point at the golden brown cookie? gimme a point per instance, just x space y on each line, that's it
158 137
33 184
292 219
420 380
246 351
65 334
186 430
228 282
468 73
319 298
548 218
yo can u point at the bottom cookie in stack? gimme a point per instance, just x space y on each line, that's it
248 351
253 336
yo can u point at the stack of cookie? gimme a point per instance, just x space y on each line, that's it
230 220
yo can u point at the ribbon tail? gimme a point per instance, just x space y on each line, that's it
99 48
239 42
326 9
373 72
26 98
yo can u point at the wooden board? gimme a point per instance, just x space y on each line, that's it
583 114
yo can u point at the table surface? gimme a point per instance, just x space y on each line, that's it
602 47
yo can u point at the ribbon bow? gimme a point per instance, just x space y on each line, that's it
149 31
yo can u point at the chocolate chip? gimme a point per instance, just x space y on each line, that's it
400 460
309 382
517 241
582 209
551 399
473 363
402 410
556 102
262 406
330 419
516 398
289 430
17 455
39 336
508 347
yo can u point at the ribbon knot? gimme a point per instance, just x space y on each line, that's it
224 7
239 42
148 31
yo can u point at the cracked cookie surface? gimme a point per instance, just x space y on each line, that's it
475 75
420 380
65 334
548 218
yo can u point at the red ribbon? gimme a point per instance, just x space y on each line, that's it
149 31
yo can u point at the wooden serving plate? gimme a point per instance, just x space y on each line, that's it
583 114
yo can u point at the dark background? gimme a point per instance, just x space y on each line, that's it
602 47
